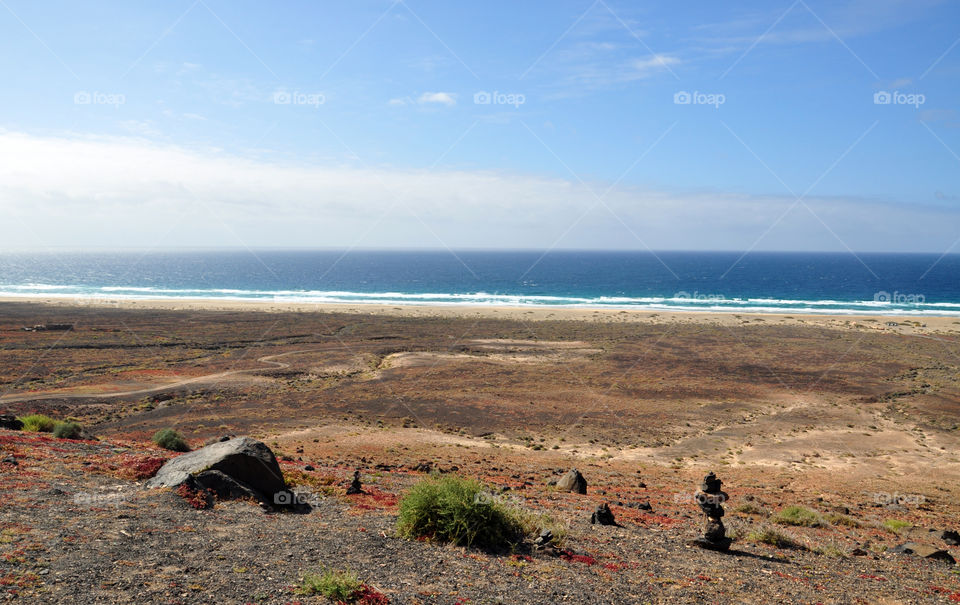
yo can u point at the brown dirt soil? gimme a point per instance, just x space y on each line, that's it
834 418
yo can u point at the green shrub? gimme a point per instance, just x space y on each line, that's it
38 423
895 525
462 511
775 537
67 430
749 509
838 519
170 439
798 516
338 586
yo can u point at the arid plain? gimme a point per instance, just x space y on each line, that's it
859 414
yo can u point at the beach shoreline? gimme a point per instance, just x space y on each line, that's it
907 324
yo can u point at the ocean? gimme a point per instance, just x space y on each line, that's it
758 282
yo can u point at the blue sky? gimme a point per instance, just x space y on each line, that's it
207 122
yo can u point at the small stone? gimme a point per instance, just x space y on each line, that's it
355 486
9 421
309 467
923 550
603 516
545 537
950 537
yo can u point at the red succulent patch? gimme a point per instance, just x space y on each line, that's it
197 498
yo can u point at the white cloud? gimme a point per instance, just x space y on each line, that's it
444 98
99 191
654 63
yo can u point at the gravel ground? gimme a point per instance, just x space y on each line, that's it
73 531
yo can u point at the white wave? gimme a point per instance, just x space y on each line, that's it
655 303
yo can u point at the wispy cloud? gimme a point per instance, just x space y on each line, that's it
428 98
127 191
443 98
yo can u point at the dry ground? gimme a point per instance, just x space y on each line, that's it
832 417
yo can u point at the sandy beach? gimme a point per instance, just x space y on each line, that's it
879 322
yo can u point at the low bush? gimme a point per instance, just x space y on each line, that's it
895 525
798 516
67 430
749 509
170 439
338 586
462 511
38 423
774 537
838 519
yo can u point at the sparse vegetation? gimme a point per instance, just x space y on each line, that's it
749 509
170 439
775 537
338 586
38 423
67 430
798 516
458 510
838 519
895 525
830 549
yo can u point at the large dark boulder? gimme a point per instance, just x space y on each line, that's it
236 468
573 481
9 421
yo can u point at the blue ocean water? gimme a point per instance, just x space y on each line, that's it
834 283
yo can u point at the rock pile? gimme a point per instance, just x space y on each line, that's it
711 498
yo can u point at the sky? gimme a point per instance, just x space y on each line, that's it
773 125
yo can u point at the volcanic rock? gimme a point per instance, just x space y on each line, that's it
923 550
9 421
573 481
603 516
237 468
